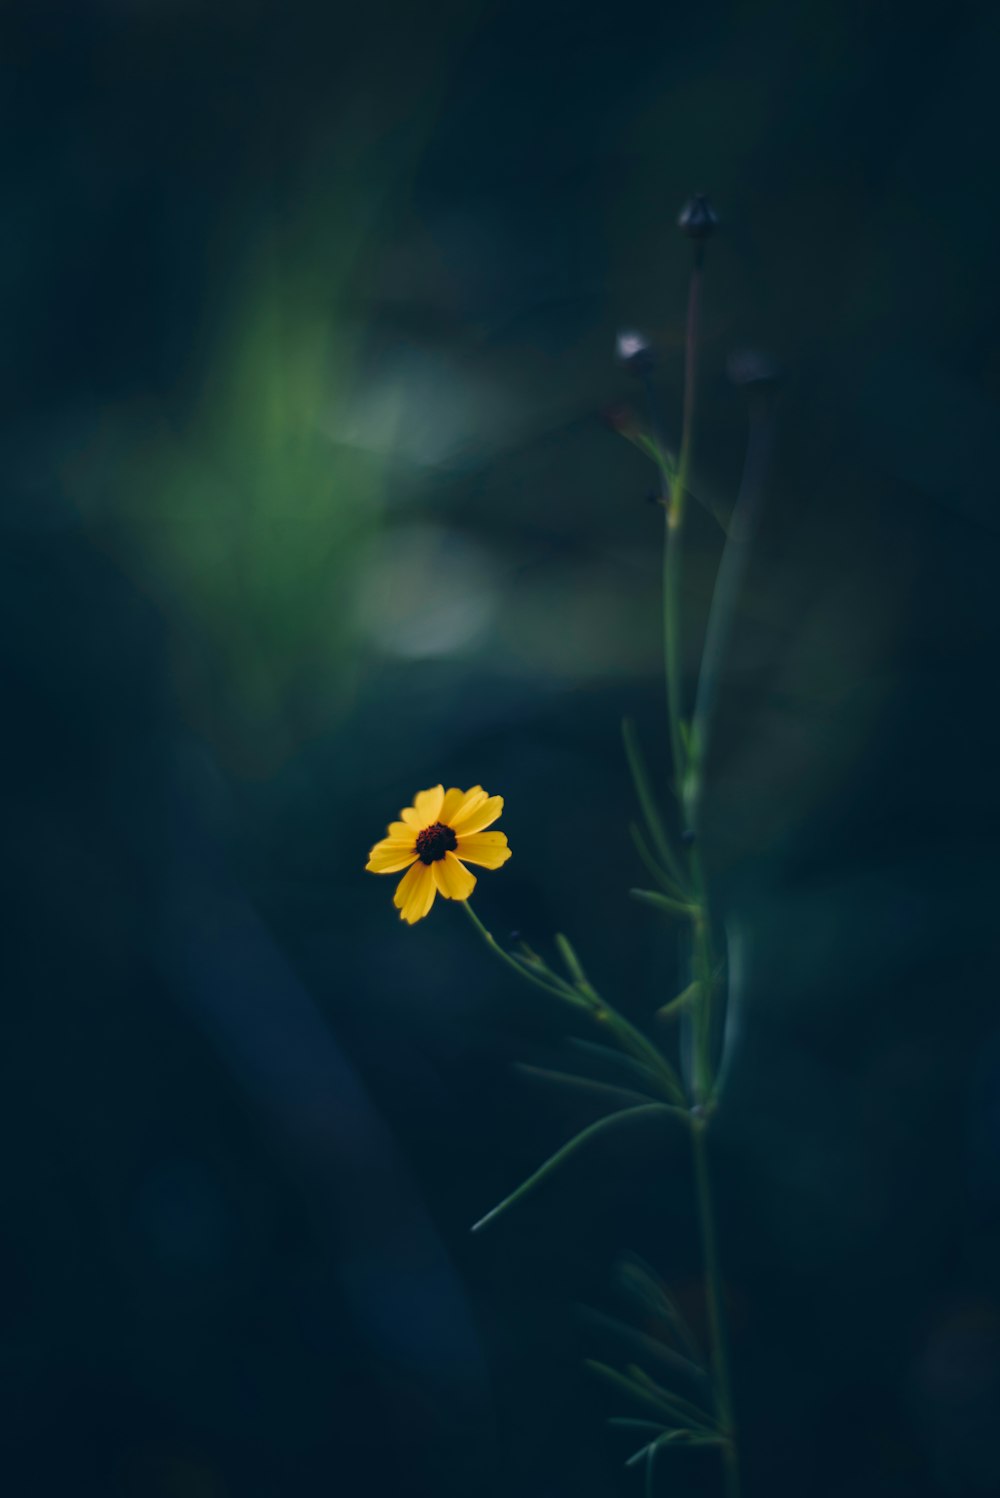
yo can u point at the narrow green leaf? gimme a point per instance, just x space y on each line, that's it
646 1453
649 862
541 975
625 1385
652 1347
681 1406
678 1437
664 902
571 960
637 1047
606 1090
685 1000
647 802
609 1056
660 456
623 1422
544 1171
646 1391
733 1022
639 1281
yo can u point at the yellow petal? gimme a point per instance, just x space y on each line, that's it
470 800
415 893
388 857
401 832
426 808
452 801
452 878
477 816
457 802
487 848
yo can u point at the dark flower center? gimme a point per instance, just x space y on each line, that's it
434 842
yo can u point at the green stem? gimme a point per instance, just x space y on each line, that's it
716 1325
725 595
704 975
561 992
687 757
674 524
671 636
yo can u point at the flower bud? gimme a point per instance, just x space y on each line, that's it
635 351
698 219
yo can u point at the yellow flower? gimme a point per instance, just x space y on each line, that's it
436 833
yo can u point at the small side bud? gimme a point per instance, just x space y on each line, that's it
698 219
635 351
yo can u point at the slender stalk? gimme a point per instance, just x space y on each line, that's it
560 992
716 1323
686 755
674 528
742 525
704 975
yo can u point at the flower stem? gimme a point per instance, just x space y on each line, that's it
716 1323
732 567
674 528
686 754
562 991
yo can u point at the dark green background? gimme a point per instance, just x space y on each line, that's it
308 316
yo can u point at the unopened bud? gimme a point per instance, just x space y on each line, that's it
698 219
635 351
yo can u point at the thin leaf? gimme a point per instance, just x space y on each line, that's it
539 974
640 1046
606 1090
571 960
648 446
611 1057
626 1385
660 875
681 1406
664 902
685 1000
674 1438
736 989
623 1422
647 801
544 1171
649 1393
641 1341
643 1284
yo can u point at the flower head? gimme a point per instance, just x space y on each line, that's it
434 840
